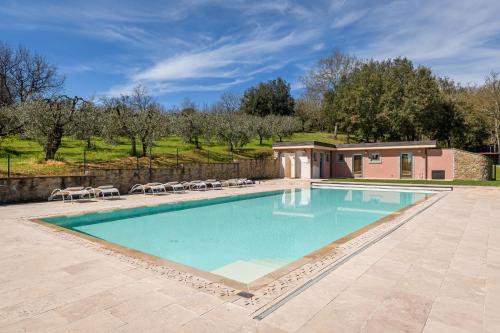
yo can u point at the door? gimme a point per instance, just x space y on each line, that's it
321 165
288 167
357 165
406 165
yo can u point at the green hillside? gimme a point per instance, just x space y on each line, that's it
27 155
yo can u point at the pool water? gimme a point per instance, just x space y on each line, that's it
243 237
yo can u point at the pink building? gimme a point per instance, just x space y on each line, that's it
383 160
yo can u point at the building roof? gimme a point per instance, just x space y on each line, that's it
348 146
394 144
309 144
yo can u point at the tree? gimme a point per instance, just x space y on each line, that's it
120 120
233 130
329 72
25 75
191 125
148 117
320 86
262 127
47 120
9 121
283 126
272 97
490 94
87 122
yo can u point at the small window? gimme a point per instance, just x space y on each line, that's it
315 157
375 158
340 158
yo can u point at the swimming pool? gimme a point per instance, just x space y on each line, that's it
243 237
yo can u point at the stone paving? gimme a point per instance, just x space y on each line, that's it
440 272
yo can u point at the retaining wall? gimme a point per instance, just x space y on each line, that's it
469 165
25 189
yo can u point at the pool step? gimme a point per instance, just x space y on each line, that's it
247 271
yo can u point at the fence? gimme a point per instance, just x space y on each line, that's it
12 165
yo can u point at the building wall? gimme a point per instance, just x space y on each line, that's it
389 168
24 189
440 159
316 163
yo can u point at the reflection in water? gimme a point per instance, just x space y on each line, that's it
310 202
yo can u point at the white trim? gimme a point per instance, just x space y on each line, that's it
379 161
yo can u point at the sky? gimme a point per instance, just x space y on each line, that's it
199 49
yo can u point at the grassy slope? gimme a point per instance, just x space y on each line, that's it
27 155
411 181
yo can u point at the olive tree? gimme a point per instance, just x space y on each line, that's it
47 120
262 126
10 122
191 124
88 122
283 126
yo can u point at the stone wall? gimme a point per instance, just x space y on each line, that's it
471 166
25 189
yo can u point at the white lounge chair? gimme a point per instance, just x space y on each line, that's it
175 187
106 190
149 188
198 185
214 184
233 182
71 193
246 181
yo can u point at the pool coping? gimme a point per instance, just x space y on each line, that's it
255 287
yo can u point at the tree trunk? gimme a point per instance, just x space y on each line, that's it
197 143
144 145
335 132
260 139
133 151
53 143
89 142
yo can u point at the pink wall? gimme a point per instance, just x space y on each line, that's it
388 168
440 159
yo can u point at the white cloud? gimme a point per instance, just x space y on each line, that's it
456 38
348 19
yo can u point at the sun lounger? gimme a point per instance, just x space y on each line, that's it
149 188
246 181
175 187
197 185
106 190
71 193
233 182
214 184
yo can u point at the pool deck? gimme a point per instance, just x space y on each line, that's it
440 272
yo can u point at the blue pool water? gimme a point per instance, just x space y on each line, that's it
243 237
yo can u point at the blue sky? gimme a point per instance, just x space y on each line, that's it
198 49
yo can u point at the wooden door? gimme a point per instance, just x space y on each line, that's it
357 165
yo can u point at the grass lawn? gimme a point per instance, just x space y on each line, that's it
27 155
415 181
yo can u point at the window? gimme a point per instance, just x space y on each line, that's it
375 158
327 157
340 158
315 157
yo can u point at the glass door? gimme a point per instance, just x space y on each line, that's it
406 165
